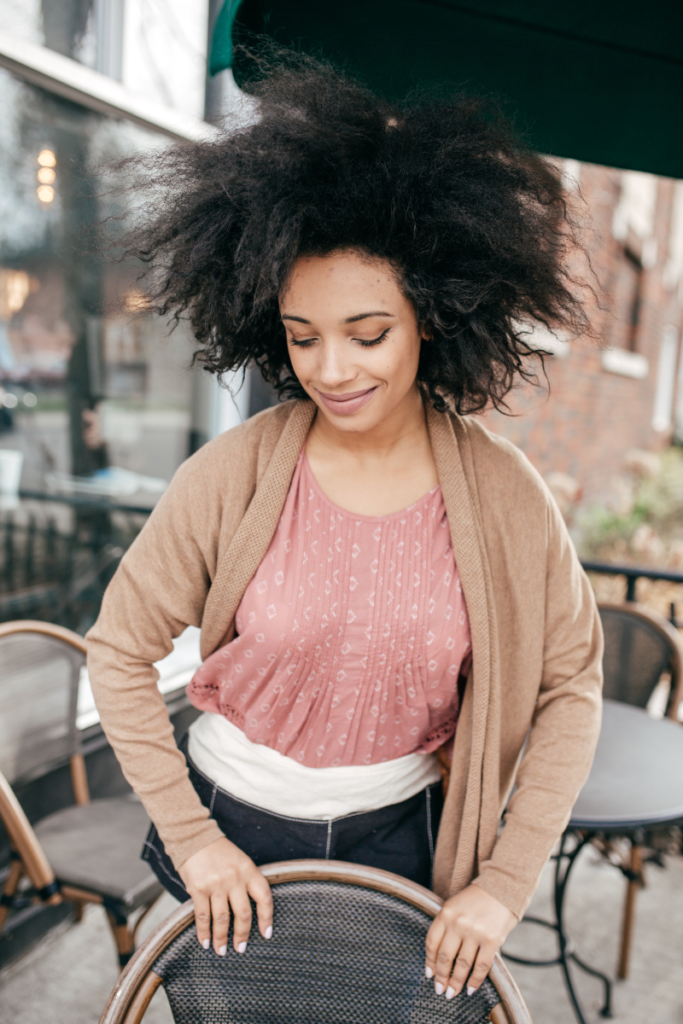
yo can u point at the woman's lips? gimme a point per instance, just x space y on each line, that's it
347 403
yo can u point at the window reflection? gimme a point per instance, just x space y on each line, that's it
89 380
95 393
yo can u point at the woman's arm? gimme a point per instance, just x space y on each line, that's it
473 924
159 589
564 729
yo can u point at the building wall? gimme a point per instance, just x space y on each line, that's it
620 391
164 52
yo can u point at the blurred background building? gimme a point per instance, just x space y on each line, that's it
624 392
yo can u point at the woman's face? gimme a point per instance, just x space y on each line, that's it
353 338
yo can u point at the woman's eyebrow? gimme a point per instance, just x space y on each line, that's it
364 316
349 319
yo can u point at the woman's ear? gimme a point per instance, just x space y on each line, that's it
426 332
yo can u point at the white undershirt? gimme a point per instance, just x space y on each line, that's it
259 775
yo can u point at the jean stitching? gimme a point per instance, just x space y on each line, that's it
329 839
149 842
428 793
160 863
213 798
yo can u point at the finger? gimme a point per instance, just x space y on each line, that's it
464 962
202 918
220 922
481 968
259 890
241 918
448 951
432 943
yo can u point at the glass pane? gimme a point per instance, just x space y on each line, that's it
89 31
95 392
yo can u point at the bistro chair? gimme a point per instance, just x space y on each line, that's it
641 647
347 948
85 853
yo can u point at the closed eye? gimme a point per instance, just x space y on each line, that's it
302 343
306 342
373 341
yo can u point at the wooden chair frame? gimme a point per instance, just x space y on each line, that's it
135 988
634 868
28 858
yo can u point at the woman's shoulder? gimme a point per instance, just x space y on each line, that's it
489 445
502 470
241 453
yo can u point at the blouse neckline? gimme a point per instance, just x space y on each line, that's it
357 517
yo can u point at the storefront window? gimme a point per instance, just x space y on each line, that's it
95 391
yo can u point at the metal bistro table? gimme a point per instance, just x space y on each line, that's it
636 783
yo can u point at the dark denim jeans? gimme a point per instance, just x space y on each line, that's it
399 838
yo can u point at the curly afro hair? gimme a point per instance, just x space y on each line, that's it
475 225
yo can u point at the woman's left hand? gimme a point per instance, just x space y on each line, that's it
464 937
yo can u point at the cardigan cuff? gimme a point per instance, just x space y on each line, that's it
179 852
515 896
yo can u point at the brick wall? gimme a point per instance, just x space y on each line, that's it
589 418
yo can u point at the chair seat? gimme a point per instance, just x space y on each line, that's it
97 847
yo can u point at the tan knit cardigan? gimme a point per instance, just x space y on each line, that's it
537 644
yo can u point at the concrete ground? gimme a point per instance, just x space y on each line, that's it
68 977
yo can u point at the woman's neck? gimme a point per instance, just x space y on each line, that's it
400 433
379 471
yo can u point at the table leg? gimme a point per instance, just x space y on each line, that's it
635 882
565 952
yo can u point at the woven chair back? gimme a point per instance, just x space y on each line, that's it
347 948
339 954
638 650
39 677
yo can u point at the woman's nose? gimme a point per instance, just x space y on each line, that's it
332 370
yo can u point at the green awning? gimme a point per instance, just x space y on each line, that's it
596 80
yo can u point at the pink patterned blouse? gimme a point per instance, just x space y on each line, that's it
351 636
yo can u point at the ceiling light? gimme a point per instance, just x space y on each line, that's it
46 158
45 193
46 175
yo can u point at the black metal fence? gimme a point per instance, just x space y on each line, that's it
58 553
631 574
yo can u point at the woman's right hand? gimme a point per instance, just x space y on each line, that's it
221 877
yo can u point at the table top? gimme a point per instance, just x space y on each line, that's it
637 775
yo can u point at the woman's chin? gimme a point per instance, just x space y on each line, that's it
360 422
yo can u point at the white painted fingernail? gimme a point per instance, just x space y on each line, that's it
450 992
429 973
438 988
223 950
470 990
206 943
241 948
269 931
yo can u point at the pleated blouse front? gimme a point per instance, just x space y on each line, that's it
352 635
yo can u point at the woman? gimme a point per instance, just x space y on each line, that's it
377 578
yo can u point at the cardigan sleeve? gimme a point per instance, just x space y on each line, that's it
564 729
159 588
